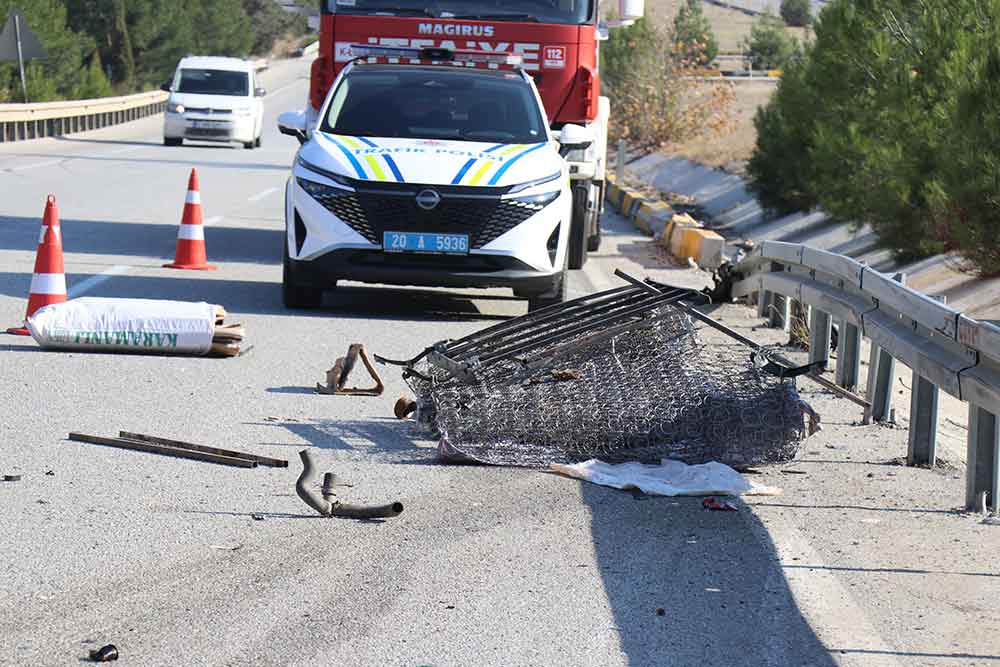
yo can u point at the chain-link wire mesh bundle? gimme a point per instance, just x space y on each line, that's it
652 391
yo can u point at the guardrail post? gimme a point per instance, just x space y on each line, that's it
779 312
848 355
763 301
982 459
922 447
881 371
819 335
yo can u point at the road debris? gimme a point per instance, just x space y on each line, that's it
329 505
336 377
180 449
637 384
404 407
106 653
136 326
262 460
668 478
717 505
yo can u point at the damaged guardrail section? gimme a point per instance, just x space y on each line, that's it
946 349
50 119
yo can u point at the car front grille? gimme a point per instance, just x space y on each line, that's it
372 211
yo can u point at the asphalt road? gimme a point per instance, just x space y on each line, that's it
859 562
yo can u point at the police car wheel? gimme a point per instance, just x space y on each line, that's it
257 142
173 141
578 229
297 296
249 144
556 296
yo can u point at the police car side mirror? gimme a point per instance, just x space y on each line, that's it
293 123
574 138
259 92
165 87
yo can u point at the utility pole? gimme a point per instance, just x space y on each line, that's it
20 55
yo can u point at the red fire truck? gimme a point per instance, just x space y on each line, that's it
556 39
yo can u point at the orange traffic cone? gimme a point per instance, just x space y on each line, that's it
48 284
191 234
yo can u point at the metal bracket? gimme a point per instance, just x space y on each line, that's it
337 376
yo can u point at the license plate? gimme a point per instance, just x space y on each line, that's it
205 125
422 242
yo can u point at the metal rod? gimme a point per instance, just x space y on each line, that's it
262 460
163 449
531 319
839 391
614 318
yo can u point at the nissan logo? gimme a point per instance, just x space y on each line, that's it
428 199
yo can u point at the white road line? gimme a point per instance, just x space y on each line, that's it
93 281
130 149
272 93
214 220
37 165
260 195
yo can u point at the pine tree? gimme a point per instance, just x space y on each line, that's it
770 46
693 36
796 12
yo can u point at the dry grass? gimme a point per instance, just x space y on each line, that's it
730 150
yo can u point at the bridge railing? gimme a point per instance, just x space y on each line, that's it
943 347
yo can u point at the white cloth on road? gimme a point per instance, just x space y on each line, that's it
669 478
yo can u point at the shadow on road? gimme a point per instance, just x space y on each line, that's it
152 241
718 585
370 441
261 297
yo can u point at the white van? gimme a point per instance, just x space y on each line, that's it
213 99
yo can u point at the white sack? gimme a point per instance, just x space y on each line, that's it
125 325
670 478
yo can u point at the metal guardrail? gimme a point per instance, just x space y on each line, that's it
48 119
946 349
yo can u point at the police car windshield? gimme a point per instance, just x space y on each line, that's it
572 12
436 102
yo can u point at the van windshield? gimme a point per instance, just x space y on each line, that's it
436 103
214 82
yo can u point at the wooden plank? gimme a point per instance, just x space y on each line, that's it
263 460
164 450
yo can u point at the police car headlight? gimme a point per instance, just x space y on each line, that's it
326 173
173 107
521 187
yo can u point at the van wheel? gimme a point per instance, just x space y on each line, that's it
249 145
257 142
173 141
577 250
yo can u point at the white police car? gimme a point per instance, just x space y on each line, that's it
431 168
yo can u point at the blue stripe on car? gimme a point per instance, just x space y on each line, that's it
506 166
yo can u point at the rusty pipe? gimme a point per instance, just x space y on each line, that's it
328 505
